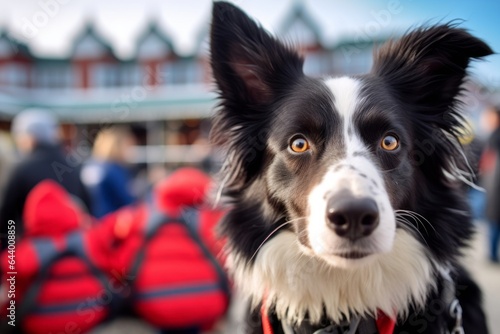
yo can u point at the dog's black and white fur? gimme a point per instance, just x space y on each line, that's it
345 200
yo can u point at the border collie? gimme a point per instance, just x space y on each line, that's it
345 201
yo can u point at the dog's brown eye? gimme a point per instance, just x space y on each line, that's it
390 143
299 145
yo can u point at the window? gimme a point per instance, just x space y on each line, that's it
131 75
353 59
318 63
182 72
104 75
194 72
362 61
13 74
53 76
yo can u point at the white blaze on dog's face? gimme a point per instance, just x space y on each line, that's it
350 217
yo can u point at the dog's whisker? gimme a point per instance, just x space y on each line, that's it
408 224
295 219
423 220
416 214
270 235
418 218
389 170
415 218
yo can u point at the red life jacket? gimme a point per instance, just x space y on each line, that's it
69 279
59 283
168 247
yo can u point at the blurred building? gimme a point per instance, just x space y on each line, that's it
169 95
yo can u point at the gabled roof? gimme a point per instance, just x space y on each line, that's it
299 12
154 30
89 32
15 45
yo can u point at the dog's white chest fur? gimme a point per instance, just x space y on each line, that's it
296 283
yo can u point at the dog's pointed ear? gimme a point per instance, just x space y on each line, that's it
428 65
248 64
425 70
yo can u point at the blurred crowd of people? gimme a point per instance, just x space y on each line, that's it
101 185
94 213
490 179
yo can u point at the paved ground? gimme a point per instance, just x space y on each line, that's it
488 276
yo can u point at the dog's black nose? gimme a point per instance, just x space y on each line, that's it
351 217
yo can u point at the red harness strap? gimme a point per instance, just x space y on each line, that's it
385 325
266 324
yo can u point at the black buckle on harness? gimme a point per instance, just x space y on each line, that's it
456 313
455 310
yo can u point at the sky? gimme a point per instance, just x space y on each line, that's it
48 26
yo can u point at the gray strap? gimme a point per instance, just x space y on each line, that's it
367 326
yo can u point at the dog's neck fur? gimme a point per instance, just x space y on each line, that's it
297 285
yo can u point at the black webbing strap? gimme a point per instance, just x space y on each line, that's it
156 219
367 326
189 219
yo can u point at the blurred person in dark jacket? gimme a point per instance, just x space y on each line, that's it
106 174
493 184
6 159
36 135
